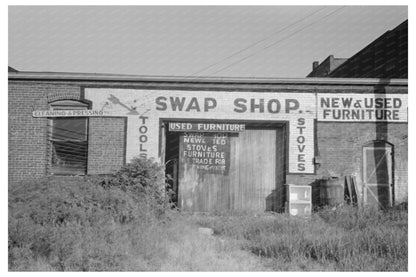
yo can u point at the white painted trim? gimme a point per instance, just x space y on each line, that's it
60 76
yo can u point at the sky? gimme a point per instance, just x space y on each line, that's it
227 41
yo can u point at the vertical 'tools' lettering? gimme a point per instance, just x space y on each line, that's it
143 137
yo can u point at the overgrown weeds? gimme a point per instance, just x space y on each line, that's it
345 239
89 224
124 223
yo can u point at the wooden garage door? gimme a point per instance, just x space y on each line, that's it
254 180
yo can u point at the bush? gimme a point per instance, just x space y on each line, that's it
91 223
144 179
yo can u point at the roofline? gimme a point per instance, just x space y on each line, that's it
373 43
64 76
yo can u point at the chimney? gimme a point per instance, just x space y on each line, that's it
315 64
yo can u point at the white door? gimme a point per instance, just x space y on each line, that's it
378 174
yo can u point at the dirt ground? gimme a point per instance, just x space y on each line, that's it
196 251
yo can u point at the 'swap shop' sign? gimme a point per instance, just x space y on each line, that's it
145 109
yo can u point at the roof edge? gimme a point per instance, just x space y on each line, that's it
63 76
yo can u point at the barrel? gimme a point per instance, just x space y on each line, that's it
331 192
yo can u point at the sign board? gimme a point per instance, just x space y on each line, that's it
206 127
69 113
362 107
145 109
208 152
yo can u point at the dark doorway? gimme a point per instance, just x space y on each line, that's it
171 165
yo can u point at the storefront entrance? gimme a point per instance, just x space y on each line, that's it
242 171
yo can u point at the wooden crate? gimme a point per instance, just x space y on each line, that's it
299 200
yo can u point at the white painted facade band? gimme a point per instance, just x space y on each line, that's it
145 108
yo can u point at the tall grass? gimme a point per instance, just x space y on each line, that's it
89 224
123 223
65 225
345 239
77 225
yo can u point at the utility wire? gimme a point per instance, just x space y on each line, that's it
255 43
249 46
273 44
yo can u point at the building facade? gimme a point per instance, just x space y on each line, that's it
230 144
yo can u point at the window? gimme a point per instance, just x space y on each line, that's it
68 140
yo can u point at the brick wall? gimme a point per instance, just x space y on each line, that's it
27 136
106 144
339 146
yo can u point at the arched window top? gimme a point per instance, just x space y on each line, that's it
378 143
68 105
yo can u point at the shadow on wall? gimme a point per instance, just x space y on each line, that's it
275 200
381 168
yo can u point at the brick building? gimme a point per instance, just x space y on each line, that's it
386 57
230 143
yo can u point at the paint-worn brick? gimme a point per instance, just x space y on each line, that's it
339 145
106 146
28 136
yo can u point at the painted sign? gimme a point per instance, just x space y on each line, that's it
206 127
145 109
69 113
207 152
362 107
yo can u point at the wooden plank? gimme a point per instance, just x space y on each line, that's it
163 144
354 191
257 178
348 189
250 181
